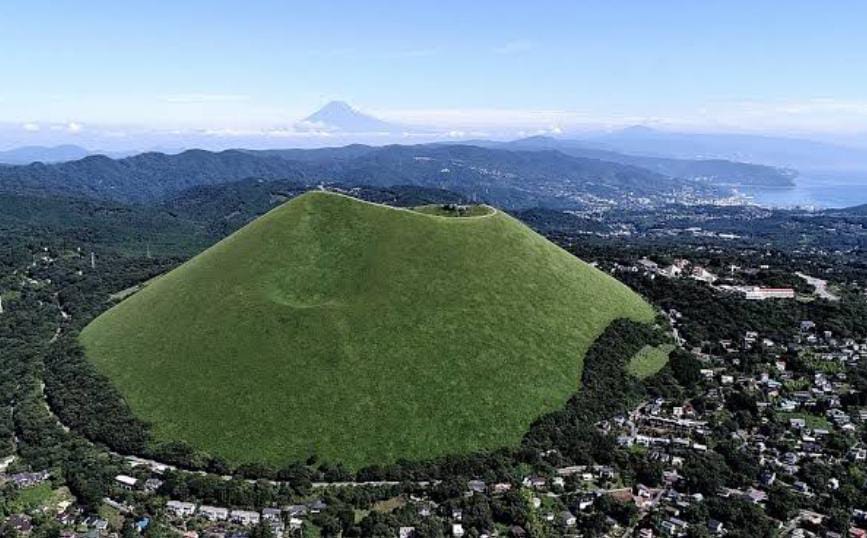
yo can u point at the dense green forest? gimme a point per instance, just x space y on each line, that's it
507 178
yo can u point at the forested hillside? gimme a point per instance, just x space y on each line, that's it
514 179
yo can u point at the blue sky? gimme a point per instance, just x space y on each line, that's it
764 66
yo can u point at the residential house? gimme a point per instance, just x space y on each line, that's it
702 274
126 482
536 482
477 486
96 523
25 480
181 509
244 517
296 510
214 513
317 506
272 514
715 527
674 527
801 487
585 503
755 496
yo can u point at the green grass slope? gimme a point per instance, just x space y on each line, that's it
360 333
649 360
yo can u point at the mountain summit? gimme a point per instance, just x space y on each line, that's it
339 116
360 333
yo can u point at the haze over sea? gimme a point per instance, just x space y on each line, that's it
822 190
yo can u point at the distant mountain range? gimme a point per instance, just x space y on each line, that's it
45 154
508 178
718 158
338 115
714 171
800 154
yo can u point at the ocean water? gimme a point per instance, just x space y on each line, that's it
815 190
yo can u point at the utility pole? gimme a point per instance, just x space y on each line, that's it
92 260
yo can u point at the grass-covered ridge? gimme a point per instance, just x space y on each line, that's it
649 360
359 333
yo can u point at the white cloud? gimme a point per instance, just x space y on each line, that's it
469 119
31 127
312 126
231 132
517 46
821 105
819 115
553 130
69 127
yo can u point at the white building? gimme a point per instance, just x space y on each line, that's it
702 274
126 482
181 509
672 271
245 517
214 513
6 462
755 293
272 514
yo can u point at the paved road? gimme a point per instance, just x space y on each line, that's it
821 287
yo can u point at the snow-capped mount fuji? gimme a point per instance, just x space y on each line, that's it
340 117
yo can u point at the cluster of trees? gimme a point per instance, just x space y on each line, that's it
27 326
88 402
606 390
710 317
